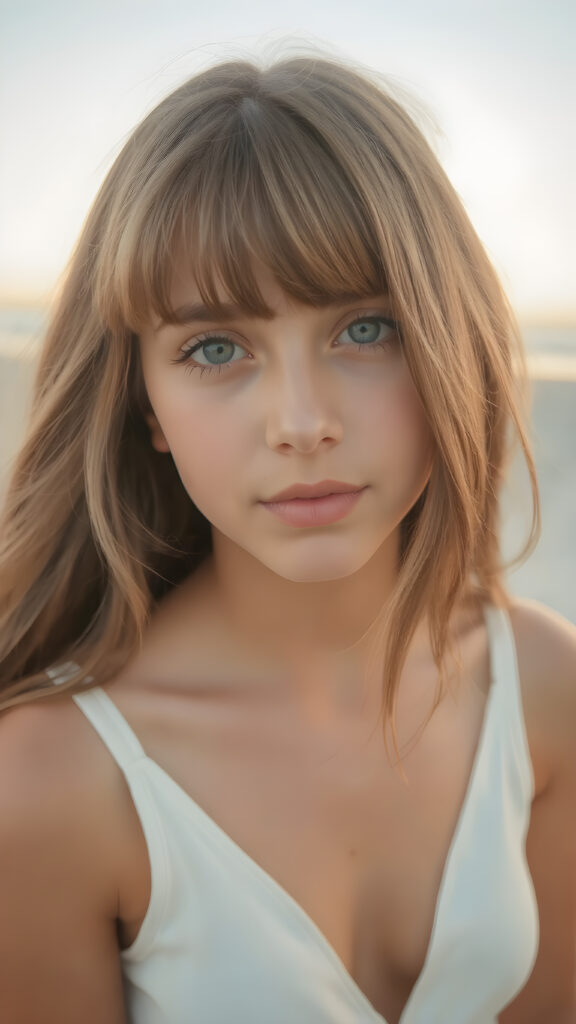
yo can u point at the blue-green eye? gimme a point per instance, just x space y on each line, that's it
216 349
368 331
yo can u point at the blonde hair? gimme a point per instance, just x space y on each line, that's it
313 167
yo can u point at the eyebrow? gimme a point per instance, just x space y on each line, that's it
192 312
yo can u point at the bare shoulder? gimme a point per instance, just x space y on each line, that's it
48 788
59 868
48 749
546 653
59 784
545 639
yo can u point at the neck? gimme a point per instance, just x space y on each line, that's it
292 621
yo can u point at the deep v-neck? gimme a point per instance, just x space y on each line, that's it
286 900
281 895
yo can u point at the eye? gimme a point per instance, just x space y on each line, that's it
371 331
216 348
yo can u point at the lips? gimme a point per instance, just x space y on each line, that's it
318 490
315 512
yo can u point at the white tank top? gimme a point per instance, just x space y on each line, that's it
223 943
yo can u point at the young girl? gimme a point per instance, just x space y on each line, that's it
277 747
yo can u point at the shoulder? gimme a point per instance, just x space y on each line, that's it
543 634
58 785
546 654
47 744
59 827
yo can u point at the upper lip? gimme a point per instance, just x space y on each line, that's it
318 490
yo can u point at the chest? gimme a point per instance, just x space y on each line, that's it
359 847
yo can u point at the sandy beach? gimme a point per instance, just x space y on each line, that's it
549 575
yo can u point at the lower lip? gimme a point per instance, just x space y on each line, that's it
314 511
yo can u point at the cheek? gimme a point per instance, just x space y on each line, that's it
399 422
207 447
203 438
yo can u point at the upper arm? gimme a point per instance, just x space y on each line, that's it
546 646
59 960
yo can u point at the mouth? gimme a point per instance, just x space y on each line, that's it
318 511
322 489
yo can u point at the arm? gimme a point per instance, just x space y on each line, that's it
59 960
546 646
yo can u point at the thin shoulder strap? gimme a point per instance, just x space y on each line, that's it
504 665
103 714
506 676
126 750
110 725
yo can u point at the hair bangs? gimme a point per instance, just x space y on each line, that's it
280 198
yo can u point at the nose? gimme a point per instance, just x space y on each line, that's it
303 411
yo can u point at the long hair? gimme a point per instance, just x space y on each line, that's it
315 168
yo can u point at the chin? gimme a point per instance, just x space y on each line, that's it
313 565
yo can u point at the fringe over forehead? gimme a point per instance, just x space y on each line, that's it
306 165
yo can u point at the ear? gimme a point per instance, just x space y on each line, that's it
157 438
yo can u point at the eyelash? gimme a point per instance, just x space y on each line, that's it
205 339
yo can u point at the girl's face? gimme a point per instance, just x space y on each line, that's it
249 407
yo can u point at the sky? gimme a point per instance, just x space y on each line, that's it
496 77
